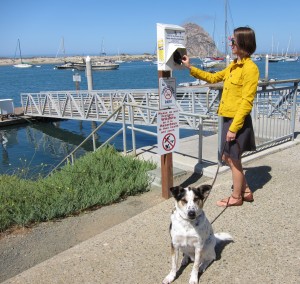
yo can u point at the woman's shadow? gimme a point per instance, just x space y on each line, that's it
257 177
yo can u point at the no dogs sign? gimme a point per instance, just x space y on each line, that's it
167 131
167 89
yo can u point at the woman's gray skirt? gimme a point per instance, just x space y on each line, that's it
245 139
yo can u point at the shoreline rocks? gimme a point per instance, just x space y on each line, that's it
59 60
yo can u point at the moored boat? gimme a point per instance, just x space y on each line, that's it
210 62
103 65
256 58
274 59
22 64
80 66
197 82
71 65
291 58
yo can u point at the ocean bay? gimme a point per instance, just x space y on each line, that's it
42 146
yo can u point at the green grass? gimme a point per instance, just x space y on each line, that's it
97 179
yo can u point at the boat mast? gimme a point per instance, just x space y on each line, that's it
213 36
272 45
102 52
19 45
226 33
287 49
61 48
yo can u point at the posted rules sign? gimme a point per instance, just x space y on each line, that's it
167 131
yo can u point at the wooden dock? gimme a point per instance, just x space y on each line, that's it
12 119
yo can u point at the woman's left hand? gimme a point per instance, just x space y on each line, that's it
230 136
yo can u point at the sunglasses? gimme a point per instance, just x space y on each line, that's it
233 41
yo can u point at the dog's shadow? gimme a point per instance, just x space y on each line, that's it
218 248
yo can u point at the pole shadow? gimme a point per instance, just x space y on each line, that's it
191 179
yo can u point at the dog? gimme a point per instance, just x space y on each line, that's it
191 232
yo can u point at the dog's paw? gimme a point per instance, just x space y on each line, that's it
193 281
169 279
194 278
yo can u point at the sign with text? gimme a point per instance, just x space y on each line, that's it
167 131
167 92
76 78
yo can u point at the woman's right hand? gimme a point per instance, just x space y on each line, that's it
186 61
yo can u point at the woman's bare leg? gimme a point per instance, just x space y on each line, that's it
238 177
239 182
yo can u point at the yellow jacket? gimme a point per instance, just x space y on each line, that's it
239 89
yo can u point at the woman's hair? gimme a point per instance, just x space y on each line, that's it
245 39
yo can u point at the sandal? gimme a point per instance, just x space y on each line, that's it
246 195
230 201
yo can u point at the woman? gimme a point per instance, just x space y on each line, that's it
239 90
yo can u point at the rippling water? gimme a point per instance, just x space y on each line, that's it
39 147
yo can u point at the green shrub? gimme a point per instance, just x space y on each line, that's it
96 179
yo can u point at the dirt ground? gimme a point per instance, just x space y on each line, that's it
26 247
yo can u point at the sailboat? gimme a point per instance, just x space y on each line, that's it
22 64
290 58
119 60
80 66
104 64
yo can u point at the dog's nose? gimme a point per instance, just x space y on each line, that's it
192 214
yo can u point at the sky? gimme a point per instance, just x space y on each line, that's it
129 26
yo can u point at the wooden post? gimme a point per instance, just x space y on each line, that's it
77 86
267 68
166 159
166 174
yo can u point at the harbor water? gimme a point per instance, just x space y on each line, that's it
33 149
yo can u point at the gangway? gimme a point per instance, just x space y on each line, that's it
98 105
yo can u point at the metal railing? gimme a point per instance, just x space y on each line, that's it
123 110
274 113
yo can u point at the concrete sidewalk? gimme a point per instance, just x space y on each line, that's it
266 247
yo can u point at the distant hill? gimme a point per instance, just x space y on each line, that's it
199 43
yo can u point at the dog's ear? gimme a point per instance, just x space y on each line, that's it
177 192
204 190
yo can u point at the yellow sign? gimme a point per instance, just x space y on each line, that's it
161 51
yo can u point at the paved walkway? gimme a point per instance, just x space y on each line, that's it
266 247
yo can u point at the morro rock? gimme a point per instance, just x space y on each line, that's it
198 42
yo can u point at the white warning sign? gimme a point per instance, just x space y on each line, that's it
167 92
167 131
